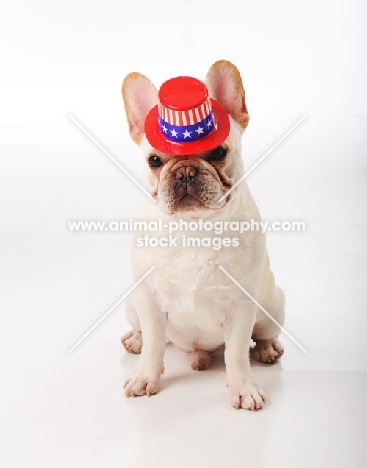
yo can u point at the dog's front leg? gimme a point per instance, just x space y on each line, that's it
148 370
244 389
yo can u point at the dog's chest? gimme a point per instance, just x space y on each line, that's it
193 285
177 298
195 312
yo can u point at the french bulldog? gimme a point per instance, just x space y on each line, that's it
188 298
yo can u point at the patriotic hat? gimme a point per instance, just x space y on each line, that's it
186 120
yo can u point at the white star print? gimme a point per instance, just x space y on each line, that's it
209 124
174 133
164 128
187 134
199 130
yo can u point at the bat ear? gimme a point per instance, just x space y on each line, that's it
140 96
225 86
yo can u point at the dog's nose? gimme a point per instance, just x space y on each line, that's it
186 174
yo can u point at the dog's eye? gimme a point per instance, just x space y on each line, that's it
217 154
155 161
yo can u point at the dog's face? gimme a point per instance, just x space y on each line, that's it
193 183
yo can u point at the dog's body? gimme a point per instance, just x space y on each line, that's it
188 297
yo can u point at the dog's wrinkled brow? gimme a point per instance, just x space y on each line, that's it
166 157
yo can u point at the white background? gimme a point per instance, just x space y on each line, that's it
71 57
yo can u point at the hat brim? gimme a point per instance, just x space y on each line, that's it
212 140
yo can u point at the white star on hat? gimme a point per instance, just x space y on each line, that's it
187 134
199 130
174 133
164 128
209 124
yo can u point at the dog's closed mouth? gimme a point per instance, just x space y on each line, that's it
188 195
189 200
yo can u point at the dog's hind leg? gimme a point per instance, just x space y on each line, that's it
132 340
267 351
265 334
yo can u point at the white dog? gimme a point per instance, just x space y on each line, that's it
187 297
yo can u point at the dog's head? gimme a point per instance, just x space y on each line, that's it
191 183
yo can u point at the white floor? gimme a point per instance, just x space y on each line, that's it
78 417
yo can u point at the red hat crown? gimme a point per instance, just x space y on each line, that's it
186 120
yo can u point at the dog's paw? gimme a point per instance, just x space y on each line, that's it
247 395
267 351
143 382
140 386
200 360
133 341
